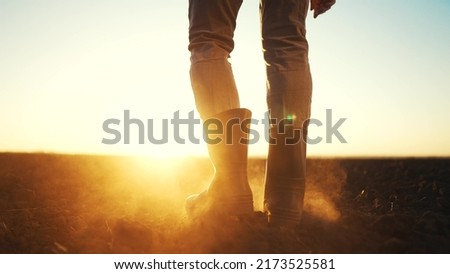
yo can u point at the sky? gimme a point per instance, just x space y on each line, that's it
66 67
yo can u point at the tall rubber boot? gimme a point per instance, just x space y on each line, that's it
285 177
229 192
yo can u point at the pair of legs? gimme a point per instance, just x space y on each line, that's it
289 87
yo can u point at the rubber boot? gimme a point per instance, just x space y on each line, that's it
285 177
229 192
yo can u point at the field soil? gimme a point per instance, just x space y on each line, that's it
52 203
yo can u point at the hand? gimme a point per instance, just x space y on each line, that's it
321 6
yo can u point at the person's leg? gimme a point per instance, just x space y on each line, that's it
289 89
211 29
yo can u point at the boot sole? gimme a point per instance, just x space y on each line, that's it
280 217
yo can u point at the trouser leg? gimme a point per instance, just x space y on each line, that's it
289 84
211 31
